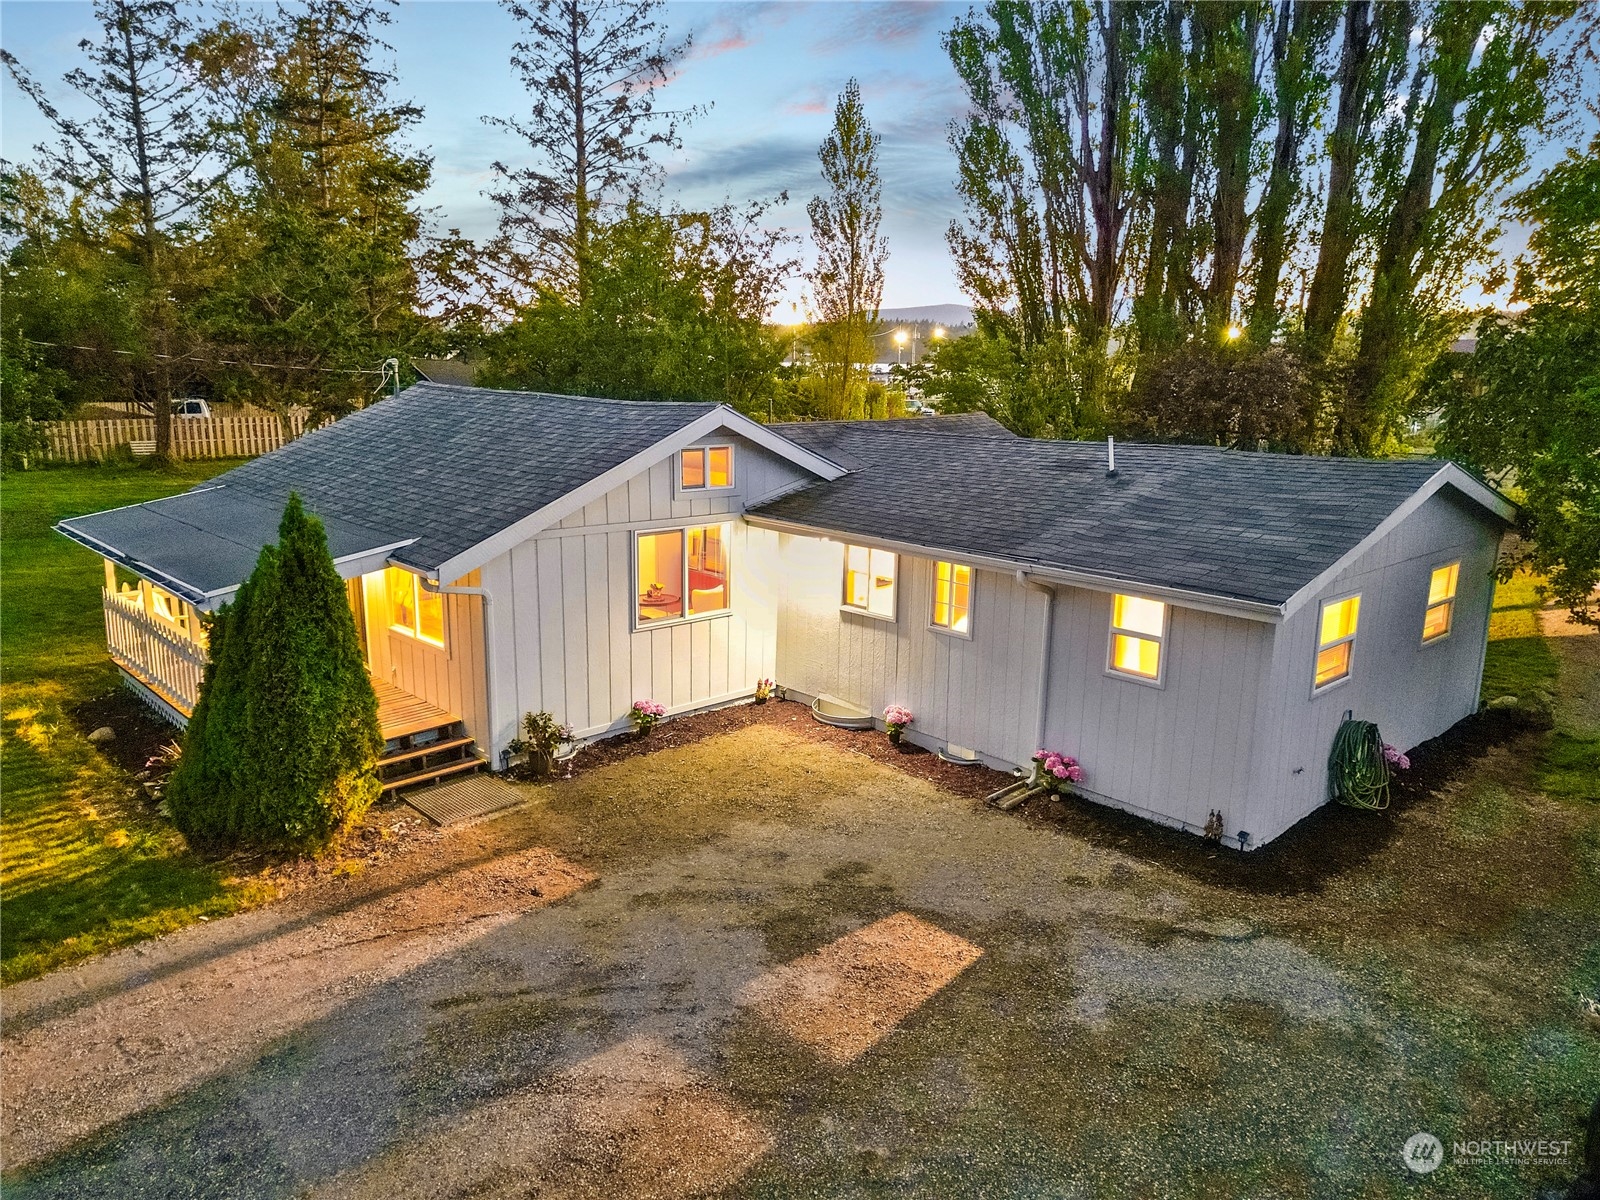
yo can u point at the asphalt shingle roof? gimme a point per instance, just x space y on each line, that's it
451 466
1248 526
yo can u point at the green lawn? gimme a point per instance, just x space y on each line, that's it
84 864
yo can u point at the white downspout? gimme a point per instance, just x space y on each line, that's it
1048 635
490 646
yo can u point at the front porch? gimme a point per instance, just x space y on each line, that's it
158 642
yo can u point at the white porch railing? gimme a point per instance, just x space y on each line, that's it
159 657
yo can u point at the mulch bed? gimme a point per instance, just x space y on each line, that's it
795 718
140 734
1327 843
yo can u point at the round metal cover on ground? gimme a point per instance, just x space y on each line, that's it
831 710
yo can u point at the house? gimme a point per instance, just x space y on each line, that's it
1192 625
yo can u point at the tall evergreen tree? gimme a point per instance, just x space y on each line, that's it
148 152
592 69
313 273
847 281
284 741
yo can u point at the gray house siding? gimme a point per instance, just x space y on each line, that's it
1412 691
1173 752
979 692
564 637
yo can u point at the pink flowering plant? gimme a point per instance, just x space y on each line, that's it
895 719
1395 759
1055 772
645 714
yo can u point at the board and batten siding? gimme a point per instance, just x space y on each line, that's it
980 693
1412 691
1174 752
564 605
451 676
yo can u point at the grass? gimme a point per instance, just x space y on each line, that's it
84 865
1520 661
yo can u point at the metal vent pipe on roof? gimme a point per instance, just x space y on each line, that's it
1111 457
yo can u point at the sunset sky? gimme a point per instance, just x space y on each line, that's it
769 73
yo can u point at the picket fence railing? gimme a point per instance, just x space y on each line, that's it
166 662
192 437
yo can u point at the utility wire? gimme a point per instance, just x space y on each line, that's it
216 362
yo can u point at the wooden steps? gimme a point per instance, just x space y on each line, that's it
422 743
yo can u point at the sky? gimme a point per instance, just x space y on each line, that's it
767 75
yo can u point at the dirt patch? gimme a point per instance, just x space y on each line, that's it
72 1074
634 1120
795 718
140 735
848 996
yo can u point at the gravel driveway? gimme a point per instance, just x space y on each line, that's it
761 965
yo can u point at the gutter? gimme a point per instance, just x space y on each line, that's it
489 645
1250 610
1047 633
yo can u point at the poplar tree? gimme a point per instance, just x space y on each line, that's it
847 280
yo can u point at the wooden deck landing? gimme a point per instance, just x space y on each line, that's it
401 714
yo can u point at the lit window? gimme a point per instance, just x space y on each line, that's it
414 609
952 597
869 580
1138 630
681 572
1441 602
1336 639
705 467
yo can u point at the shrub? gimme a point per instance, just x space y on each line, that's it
283 745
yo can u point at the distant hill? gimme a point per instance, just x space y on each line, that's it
939 314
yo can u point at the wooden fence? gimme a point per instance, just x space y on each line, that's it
192 437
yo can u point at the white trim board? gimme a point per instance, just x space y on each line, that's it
722 417
1448 475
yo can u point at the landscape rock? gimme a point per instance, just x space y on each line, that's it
104 734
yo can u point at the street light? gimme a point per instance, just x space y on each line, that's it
899 346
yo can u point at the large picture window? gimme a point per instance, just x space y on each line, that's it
705 468
413 609
1441 612
1138 634
869 577
1336 639
681 573
952 597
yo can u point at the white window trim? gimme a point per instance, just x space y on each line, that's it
706 488
414 632
933 596
1451 627
688 618
1317 647
1112 629
844 584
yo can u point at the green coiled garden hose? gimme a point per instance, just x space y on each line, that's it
1358 773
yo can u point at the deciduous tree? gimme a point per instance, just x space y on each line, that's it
847 280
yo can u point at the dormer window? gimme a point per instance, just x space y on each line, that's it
705 468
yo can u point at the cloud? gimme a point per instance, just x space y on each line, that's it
882 26
759 166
